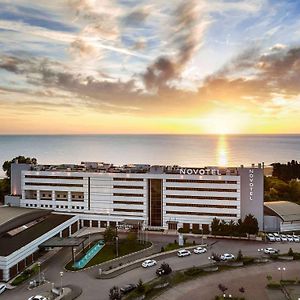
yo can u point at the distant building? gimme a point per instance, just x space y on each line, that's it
281 216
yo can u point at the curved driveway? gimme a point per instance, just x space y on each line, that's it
97 289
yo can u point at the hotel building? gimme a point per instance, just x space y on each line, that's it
166 197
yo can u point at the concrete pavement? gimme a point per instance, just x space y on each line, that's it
97 289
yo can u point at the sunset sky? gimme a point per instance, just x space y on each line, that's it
108 66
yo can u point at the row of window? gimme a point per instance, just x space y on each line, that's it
53 177
128 187
53 206
201 181
201 205
127 179
171 188
54 184
128 202
128 195
200 213
128 210
201 197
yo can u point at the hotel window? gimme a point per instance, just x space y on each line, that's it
169 188
128 195
127 179
53 177
201 205
155 202
201 197
128 187
200 213
128 202
128 210
201 181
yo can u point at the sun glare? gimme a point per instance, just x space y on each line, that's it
222 123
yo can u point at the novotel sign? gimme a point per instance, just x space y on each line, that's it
251 184
199 171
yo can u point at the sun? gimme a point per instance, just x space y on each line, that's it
222 123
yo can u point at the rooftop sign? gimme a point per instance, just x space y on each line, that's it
197 171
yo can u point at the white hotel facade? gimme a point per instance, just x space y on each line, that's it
166 197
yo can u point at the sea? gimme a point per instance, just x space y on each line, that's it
182 150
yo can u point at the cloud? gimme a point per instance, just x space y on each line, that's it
137 16
188 29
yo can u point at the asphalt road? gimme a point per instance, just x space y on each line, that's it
98 289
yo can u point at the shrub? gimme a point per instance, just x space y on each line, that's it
162 249
194 271
194 243
274 285
114 293
248 260
140 286
239 256
291 252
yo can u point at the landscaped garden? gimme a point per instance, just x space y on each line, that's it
26 274
123 247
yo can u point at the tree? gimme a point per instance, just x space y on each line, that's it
109 235
291 252
166 268
215 226
21 159
239 256
250 224
140 286
114 293
222 288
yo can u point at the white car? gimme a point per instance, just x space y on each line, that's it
270 237
283 237
290 238
37 297
270 251
296 238
200 250
149 263
277 237
183 252
2 288
227 256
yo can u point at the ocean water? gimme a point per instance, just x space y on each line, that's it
183 150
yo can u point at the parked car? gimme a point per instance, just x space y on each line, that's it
271 237
227 256
283 237
183 252
127 288
296 238
2 288
290 238
200 250
149 263
37 297
270 251
277 237
164 269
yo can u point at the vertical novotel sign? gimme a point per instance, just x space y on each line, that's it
251 184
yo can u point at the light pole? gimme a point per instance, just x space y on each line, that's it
61 278
281 270
117 246
39 266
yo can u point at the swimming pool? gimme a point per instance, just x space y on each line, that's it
82 262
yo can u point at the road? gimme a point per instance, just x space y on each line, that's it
97 289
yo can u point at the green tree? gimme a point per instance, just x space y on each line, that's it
21 159
250 224
239 256
215 226
140 286
114 293
109 235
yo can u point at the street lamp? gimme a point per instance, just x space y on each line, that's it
39 266
61 277
117 246
281 270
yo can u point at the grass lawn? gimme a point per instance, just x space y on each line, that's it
173 246
108 252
